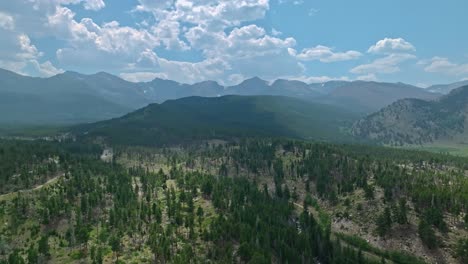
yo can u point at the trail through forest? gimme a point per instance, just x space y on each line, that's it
10 195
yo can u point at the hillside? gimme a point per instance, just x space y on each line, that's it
196 118
412 121
252 201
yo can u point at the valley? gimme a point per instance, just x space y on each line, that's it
233 132
195 180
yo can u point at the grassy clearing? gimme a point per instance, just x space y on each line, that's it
30 131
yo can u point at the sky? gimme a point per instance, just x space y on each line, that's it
421 42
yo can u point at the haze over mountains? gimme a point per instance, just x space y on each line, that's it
446 88
75 98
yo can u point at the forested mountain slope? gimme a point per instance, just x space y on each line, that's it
198 118
413 121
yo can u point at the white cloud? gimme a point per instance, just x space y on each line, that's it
367 77
325 54
27 50
391 45
276 32
6 21
168 31
316 79
109 37
246 50
108 46
142 76
388 64
185 72
221 34
445 66
17 53
294 2
313 12
235 78
148 5
422 85
213 14
94 5
45 69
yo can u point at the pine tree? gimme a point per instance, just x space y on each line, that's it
384 222
427 235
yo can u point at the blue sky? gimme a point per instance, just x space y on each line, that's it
418 42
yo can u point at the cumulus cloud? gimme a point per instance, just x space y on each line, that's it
220 36
45 69
17 53
391 45
109 37
445 66
94 4
325 54
108 46
388 64
246 51
210 27
214 14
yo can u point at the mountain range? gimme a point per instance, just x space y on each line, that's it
71 97
414 121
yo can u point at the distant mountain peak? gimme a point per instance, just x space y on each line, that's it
281 81
214 83
161 80
71 73
105 74
255 79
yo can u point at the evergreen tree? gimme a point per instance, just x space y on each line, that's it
384 222
427 234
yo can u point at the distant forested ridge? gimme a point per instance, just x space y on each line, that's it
199 118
